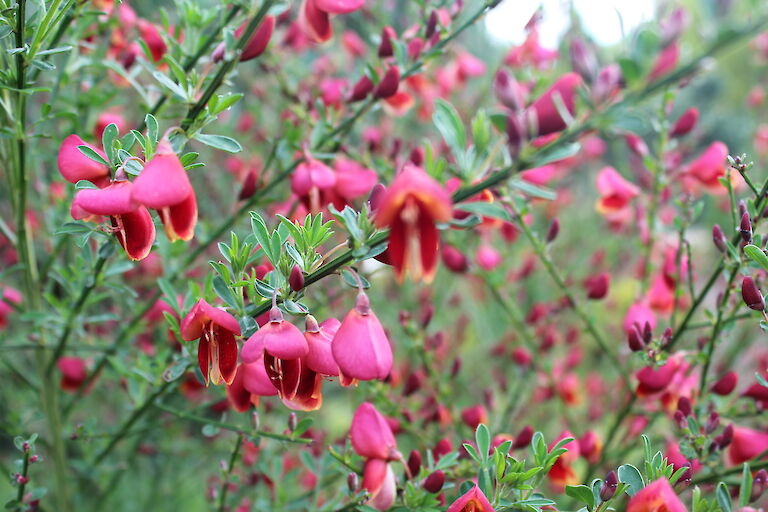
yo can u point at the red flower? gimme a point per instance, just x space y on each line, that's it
164 186
131 222
73 373
658 496
75 166
410 207
256 44
217 352
473 501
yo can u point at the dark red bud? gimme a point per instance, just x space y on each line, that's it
634 339
609 486
414 462
454 260
745 228
647 333
680 419
685 122
554 229
726 384
431 25
713 421
376 192
249 185
751 295
597 286
434 482
352 482
385 46
523 438
361 89
684 406
296 279
718 238
389 84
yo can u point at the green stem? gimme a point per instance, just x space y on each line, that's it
75 310
227 473
228 426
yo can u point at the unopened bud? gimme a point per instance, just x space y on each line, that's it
751 295
361 89
385 47
726 384
523 438
759 484
389 83
685 123
352 482
718 238
634 339
583 60
293 420
680 419
255 420
609 486
431 25
454 260
434 482
713 421
554 229
414 462
745 228
684 406
296 279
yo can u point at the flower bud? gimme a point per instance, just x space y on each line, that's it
726 384
508 91
414 462
606 83
685 123
725 438
745 228
523 438
634 339
554 229
389 84
385 46
361 89
293 421
751 295
431 25
296 278
636 144
680 419
597 286
609 486
454 260
352 482
583 60
759 484
718 238
713 421
434 482
684 405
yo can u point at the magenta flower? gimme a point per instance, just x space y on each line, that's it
658 496
379 481
164 186
472 501
371 435
319 338
75 166
360 347
217 351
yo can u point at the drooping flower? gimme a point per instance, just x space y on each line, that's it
472 501
544 113
314 16
371 434
658 496
709 167
747 444
131 222
410 207
73 373
616 193
654 380
217 351
379 481
360 347
164 186
319 338
75 166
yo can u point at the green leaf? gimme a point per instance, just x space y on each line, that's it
745 489
170 85
222 142
472 452
225 292
83 184
723 497
449 124
92 154
757 255
152 128
73 228
485 209
108 139
483 440
631 476
581 493
558 153
349 279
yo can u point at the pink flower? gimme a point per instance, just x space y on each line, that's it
379 481
615 192
9 296
472 501
75 166
545 111
217 351
709 167
639 313
746 445
319 338
164 186
655 380
371 435
360 346
488 258
665 62
73 373
658 496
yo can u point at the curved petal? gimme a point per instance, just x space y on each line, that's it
136 233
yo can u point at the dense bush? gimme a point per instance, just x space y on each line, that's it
442 273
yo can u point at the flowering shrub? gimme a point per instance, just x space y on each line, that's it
442 273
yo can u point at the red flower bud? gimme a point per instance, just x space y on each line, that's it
434 482
685 123
726 384
554 230
523 438
414 462
361 90
385 47
389 84
296 279
597 286
718 238
745 228
751 295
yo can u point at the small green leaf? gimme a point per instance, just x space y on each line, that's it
483 440
107 141
448 122
84 184
723 497
485 209
170 85
222 142
581 493
631 476
92 154
757 255
745 489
